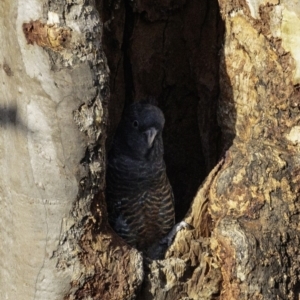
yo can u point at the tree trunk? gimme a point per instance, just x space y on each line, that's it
54 82
226 76
254 199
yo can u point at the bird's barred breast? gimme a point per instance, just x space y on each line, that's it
141 203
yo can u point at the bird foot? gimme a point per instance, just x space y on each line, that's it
168 239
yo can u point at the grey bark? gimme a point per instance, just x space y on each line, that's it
44 85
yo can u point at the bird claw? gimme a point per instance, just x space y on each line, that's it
168 239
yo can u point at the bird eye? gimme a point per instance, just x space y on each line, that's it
135 123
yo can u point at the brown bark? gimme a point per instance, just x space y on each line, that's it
254 199
232 114
157 54
169 52
245 215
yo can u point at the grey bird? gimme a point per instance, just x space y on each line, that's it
139 196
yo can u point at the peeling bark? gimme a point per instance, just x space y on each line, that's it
49 36
171 52
254 199
51 171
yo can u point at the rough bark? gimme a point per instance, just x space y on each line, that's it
56 95
250 202
170 51
54 86
55 120
254 199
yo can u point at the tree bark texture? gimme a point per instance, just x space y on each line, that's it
171 51
254 199
54 85
247 211
231 102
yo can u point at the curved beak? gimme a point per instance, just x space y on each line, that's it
151 134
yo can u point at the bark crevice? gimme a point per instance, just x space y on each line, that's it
171 52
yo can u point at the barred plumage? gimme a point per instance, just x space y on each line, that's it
139 196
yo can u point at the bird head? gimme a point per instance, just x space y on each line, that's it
140 131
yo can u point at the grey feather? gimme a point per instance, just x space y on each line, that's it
139 196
